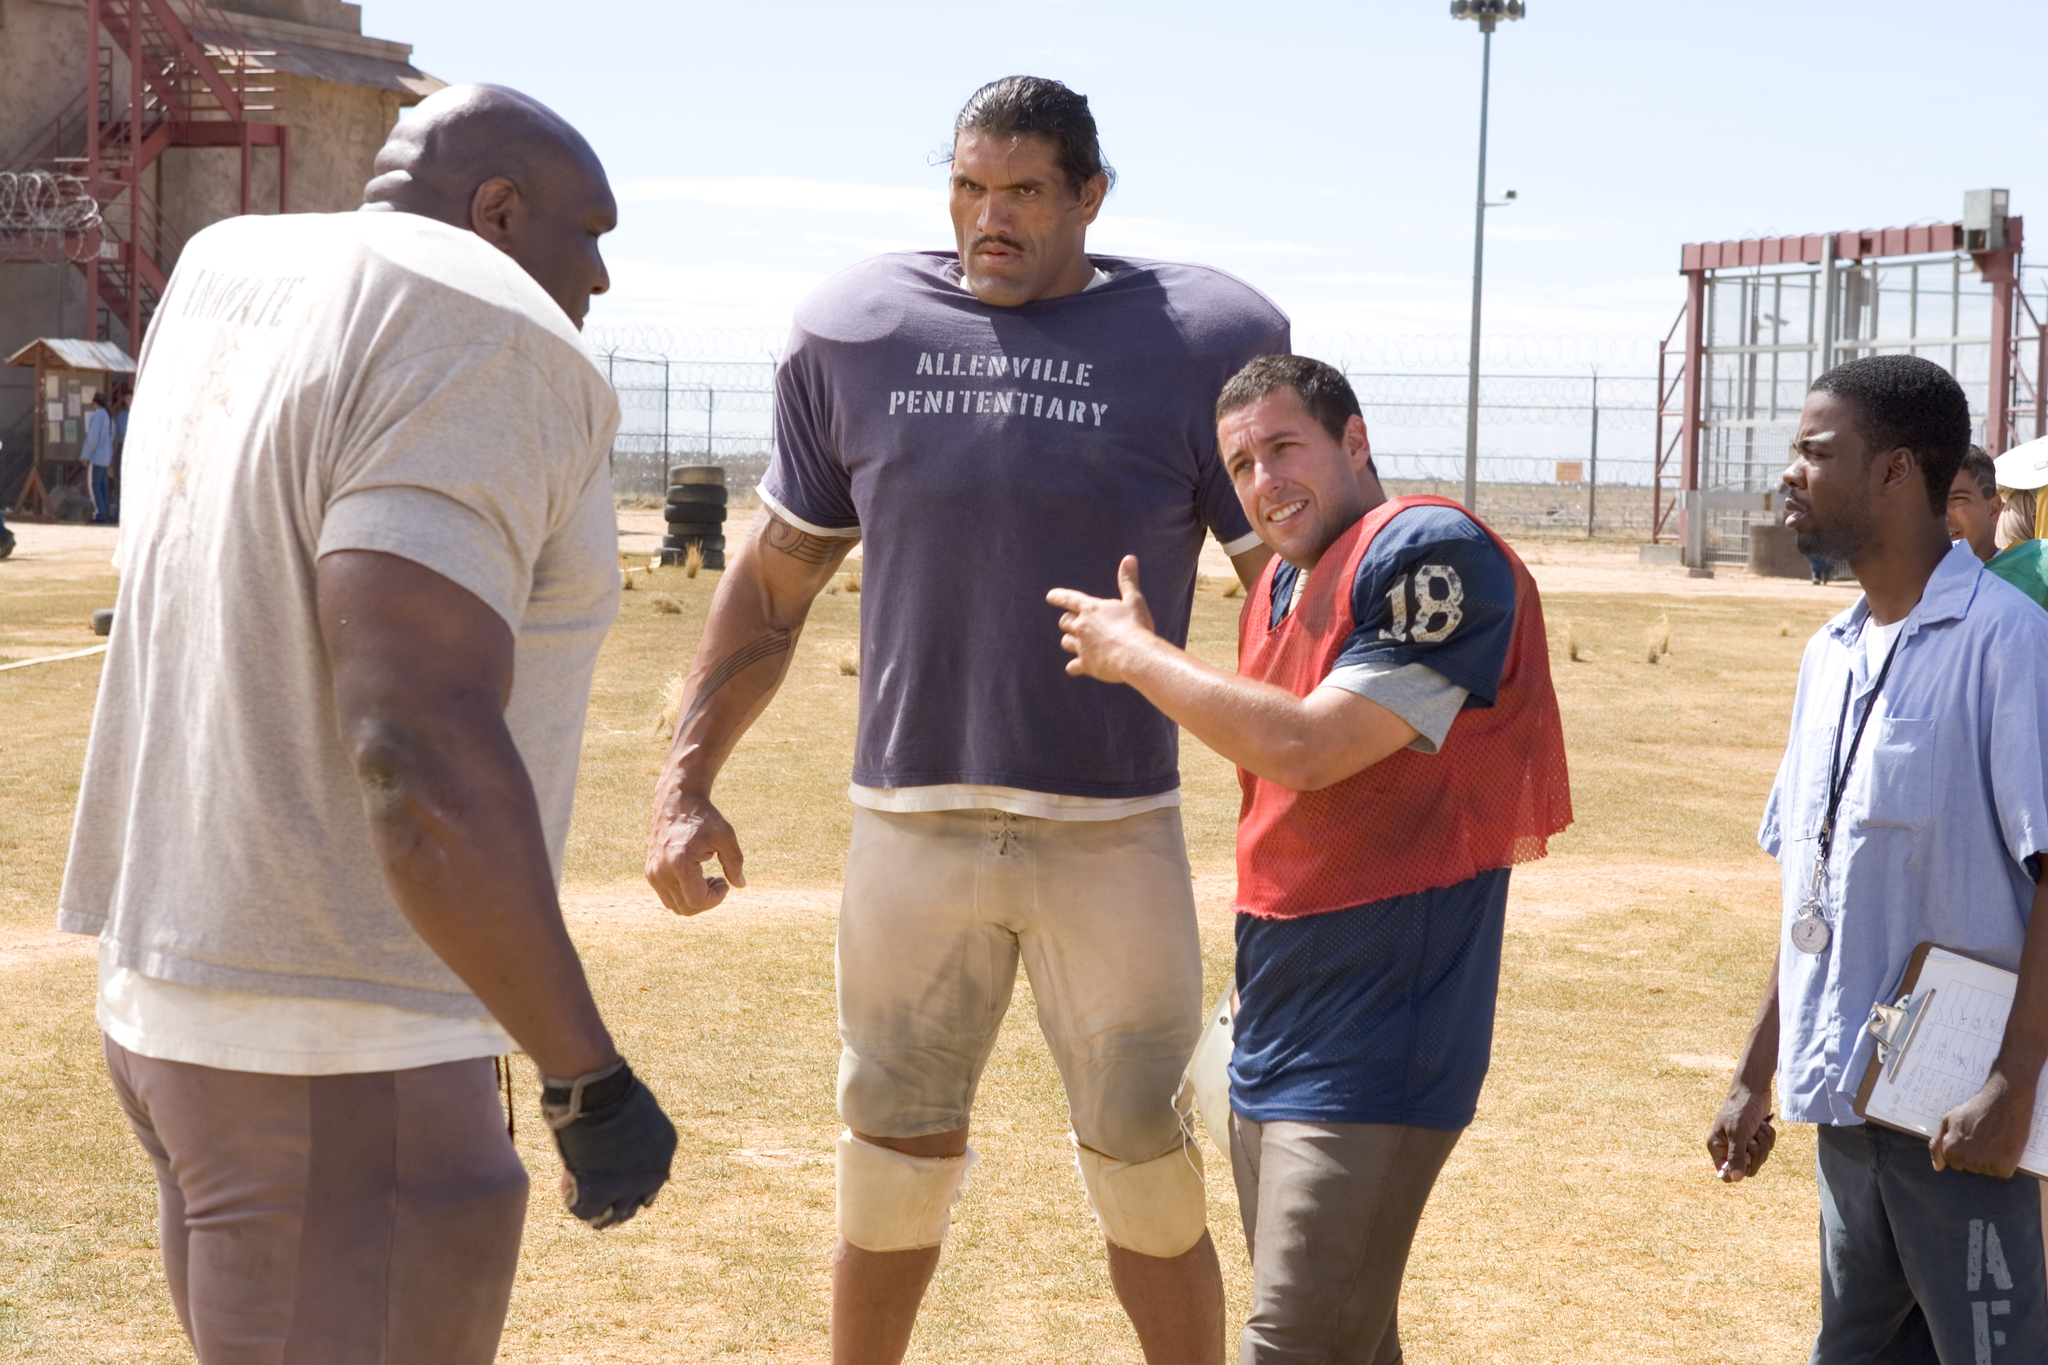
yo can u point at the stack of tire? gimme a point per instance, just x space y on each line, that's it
696 514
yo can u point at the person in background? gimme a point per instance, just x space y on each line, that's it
6 536
1974 504
99 454
114 471
2022 556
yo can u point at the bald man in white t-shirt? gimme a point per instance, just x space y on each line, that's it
370 555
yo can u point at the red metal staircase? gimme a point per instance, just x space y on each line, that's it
190 80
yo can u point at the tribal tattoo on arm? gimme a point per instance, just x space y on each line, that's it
800 545
734 664
818 554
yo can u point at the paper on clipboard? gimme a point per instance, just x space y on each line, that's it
1937 1043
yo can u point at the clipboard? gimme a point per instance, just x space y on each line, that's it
1936 1043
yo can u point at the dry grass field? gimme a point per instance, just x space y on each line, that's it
1578 1220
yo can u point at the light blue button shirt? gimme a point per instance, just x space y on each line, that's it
1946 802
99 438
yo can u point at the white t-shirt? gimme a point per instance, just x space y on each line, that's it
316 383
1877 641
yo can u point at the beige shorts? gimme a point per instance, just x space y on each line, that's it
939 909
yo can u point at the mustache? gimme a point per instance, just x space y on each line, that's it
997 239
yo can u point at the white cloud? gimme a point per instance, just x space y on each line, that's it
721 294
786 193
1368 278
1165 238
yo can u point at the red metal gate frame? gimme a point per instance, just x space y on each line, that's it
1999 269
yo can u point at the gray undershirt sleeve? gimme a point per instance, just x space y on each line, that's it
1417 693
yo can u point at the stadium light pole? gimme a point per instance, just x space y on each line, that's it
1486 13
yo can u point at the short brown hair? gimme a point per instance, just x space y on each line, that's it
1981 470
1322 389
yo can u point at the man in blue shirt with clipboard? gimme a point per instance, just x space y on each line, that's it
1911 806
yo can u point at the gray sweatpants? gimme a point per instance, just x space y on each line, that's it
368 1219
1330 1210
1920 1266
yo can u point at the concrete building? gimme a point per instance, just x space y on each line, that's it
234 106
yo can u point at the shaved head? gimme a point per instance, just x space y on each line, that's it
505 166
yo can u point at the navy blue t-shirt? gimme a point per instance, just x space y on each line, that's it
1434 589
987 455
1383 1013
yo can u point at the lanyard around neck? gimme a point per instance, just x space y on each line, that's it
1839 782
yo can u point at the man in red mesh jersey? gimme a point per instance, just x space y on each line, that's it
1399 747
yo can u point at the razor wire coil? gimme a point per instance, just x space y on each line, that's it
48 209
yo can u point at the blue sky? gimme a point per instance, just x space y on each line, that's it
1323 152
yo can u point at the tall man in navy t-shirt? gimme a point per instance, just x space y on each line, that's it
1399 747
995 420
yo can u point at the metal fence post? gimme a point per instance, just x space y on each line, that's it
1593 457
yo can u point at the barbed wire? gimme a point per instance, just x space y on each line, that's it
650 341
1357 350
1346 350
49 210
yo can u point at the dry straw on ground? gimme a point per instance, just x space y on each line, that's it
693 560
1577 1220
1657 639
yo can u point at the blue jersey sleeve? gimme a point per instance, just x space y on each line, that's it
1434 589
806 477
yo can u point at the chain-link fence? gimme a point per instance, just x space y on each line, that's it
1560 452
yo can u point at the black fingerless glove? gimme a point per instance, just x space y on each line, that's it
615 1142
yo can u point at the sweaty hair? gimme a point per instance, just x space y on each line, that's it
1322 389
1902 400
1032 106
1982 472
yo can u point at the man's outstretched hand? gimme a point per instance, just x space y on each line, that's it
1105 634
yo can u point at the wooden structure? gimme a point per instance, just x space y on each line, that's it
68 374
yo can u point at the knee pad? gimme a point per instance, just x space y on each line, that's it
1155 1208
890 1201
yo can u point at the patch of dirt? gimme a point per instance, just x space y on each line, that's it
31 949
775 1158
1558 890
59 550
619 903
1614 571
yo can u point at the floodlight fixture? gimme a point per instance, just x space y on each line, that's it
1485 13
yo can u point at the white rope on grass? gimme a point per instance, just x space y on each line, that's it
53 658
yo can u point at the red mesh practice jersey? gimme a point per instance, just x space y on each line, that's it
1491 797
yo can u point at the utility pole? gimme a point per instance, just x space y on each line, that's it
1487 13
